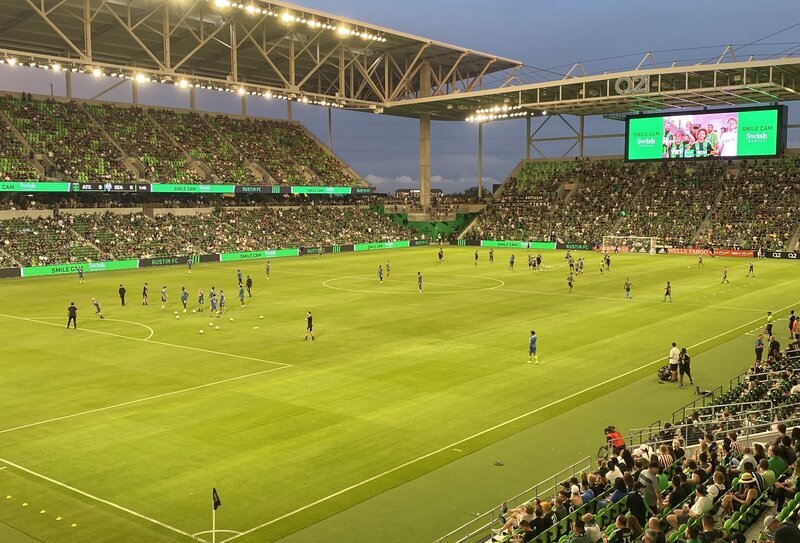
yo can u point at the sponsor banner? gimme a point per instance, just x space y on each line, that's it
789 255
325 249
615 248
257 189
518 244
34 186
191 189
207 258
419 242
386 245
57 269
10 272
256 255
707 252
164 261
574 246
733 252
321 190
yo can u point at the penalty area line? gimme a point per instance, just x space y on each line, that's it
483 432
101 500
141 400
147 340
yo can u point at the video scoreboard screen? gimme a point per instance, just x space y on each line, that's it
724 133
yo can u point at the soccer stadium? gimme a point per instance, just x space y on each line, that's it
273 273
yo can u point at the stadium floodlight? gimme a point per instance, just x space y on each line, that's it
11 61
241 91
222 3
544 113
140 78
287 17
250 9
183 83
343 30
97 72
56 66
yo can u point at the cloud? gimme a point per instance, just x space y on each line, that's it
448 185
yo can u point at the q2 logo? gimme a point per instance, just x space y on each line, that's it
637 84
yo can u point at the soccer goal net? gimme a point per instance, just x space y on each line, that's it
629 244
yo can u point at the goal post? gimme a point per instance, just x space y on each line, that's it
629 244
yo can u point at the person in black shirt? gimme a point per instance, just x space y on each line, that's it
73 315
774 347
636 504
145 294
678 494
309 327
709 533
249 285
122 295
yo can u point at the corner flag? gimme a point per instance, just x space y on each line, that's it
215 498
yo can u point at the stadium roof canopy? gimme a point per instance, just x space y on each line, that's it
256 47
283 51
727 82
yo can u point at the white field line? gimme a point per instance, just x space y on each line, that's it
141 400
150 341
486 431
218 531
101 500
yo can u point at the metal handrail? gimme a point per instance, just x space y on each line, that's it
747 419
482 524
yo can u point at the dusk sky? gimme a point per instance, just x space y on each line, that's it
550 35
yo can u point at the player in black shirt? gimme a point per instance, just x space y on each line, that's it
145 294
750 271
309 327
73 315
249 285
122 295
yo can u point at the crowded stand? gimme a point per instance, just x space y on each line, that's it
42 241
196 137
742 205
676 202
759 208
284 150
139 137
64 133
14 164
113 236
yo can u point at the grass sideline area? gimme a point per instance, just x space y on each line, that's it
122 428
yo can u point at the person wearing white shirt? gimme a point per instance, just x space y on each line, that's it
674 356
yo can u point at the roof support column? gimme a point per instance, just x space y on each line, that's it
528 137
192 99
134 92
480 161
330 130
68 83
425 139
289 110
580 138
244 104
87 28
425 160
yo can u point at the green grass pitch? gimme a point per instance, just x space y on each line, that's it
118 431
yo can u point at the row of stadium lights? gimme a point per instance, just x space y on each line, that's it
182 83
289 18
498 112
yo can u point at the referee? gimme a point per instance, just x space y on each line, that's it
309 326
73 315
